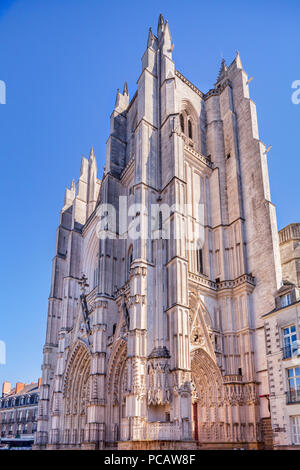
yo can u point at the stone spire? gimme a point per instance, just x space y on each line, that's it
92 155
117 98
151 39
238 60
160 26
222 71
92 183
69 195
164 37
167 33
122 99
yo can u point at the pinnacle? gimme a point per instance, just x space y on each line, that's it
222 71
150 38
161 24
238 60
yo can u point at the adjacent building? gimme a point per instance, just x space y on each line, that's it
282 333
18 414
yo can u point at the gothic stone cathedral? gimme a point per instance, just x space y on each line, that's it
164 346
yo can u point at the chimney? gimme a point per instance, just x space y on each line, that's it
39 382
6 388
19 387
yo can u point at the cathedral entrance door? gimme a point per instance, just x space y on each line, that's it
207 390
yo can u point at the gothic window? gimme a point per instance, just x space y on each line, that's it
129 259
285 300
132 145
187 127
160 224
96 271
152 251
199 258
190 129
181 118
132 137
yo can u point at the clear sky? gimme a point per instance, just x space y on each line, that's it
62 61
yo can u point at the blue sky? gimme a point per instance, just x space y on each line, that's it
62 61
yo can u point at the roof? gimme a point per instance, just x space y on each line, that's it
28 388
277 310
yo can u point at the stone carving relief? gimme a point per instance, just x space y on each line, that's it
158 382
200 325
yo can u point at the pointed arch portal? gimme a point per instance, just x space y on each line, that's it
76 396
117 382
207 397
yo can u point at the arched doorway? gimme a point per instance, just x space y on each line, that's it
207 398
117 387
76 397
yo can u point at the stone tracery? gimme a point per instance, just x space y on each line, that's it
76 395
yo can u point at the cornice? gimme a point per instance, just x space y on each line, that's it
225 285
189 84
198 156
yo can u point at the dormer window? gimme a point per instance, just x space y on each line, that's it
285 300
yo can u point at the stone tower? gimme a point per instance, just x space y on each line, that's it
166 345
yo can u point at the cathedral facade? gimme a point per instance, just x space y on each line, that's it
155 336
